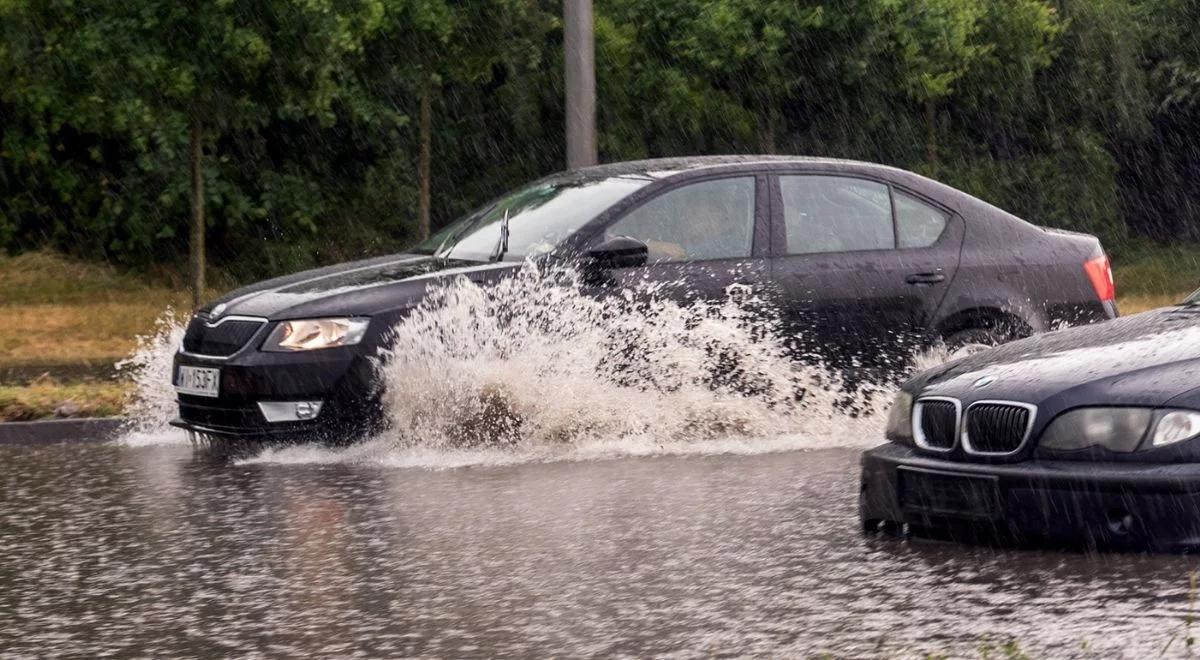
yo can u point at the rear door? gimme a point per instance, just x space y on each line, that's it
862 265
708 238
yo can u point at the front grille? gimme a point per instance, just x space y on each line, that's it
937 423
996 428
221 340
240 419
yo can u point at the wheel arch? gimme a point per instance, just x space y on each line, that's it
986 317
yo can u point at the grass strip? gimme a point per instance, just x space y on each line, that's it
49 399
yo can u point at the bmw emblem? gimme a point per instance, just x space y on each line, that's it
218 310
983 381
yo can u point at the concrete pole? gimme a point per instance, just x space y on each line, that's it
579 46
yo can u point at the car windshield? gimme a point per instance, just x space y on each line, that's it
540 216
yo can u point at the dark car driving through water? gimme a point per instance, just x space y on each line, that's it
1086 436
862 262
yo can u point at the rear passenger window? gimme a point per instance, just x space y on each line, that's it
836 214
918 224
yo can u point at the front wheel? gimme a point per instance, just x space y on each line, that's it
973 340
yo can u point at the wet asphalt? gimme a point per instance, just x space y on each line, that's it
162 551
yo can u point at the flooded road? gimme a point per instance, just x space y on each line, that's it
156 551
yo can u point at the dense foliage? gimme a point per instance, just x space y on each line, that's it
1073 113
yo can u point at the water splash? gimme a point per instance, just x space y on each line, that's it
534 368
151 403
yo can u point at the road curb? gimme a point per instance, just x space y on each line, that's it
86 429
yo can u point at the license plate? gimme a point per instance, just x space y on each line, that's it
932 492
199 381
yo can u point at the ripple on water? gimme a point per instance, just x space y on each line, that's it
159 551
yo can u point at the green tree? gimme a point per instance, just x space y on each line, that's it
936 43
176 80
696 77
428 47
1046 149
1072 113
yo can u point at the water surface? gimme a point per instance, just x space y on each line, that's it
157 551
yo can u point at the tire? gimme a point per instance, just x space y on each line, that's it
973 340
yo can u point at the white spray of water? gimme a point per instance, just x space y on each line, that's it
534 369
151 403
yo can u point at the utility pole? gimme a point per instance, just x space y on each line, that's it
579 49
196 226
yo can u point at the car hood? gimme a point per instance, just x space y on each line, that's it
360 288
1146 359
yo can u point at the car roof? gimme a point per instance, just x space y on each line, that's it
658 168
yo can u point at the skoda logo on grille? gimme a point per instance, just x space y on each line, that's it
218 310
983 381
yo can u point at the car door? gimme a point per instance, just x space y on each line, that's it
861 265
707 239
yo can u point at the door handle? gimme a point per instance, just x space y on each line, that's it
925 278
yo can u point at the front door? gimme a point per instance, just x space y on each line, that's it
707 244
862 266
707 240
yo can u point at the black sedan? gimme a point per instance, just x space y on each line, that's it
860 260
1087 436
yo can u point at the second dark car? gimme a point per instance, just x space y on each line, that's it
1087 436
863 262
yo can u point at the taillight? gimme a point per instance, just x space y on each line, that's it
1099 272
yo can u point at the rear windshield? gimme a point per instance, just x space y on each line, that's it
540 217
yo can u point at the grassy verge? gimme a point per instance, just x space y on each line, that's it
58 311
49 399
66 320
1150 275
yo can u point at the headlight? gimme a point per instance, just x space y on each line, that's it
313 334
899 423
1175 426
1115 429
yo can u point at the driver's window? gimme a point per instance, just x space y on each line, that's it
707 220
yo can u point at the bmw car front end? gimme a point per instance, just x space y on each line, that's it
1087 436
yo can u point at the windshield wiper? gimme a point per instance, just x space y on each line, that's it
502 241
447 245
443 249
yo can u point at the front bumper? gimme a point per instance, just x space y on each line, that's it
343 378
1121 505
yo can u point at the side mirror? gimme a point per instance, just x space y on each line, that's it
619 252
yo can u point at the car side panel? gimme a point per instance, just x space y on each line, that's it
1025 272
